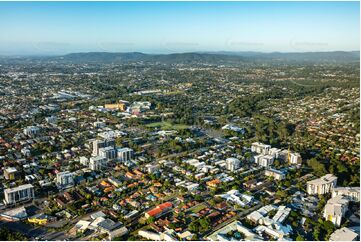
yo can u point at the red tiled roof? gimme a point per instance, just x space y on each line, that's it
165 205
154 212
159 209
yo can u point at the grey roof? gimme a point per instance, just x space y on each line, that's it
109 225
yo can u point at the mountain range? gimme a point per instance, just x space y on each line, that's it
221 57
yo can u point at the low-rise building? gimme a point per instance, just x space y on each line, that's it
223 234
276 174
159 210
236 197
295 158
9 173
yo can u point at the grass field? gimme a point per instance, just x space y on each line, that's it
166 125
197 208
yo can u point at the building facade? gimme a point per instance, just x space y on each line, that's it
335 209
276 174
352 193
31 130
260 148
232 164
98 144
125 154
108 152
18 194
321 185
98 163
64 179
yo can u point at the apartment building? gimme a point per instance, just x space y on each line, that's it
321 185
125 154
335 209
18 194
352 193
64 179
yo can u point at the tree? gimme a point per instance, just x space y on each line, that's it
150 220
300 238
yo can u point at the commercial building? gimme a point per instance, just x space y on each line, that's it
125 154
352 193
15 214
97 163
232 164
64 179
321 185
335 209
18 194
113 229
116 106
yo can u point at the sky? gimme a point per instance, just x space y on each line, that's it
47 28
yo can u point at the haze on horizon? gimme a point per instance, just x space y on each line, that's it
47 28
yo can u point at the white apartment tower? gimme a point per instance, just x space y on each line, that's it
65 179
125 154
108 152
98 144
335 209
232 164
321 185
97 163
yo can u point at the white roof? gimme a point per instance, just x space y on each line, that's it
19 188
343 234
323 180
10 169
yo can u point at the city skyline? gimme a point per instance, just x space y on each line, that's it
51 28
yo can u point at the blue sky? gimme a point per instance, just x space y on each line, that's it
165 27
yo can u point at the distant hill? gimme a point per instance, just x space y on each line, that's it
137 57
331 56
222 57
